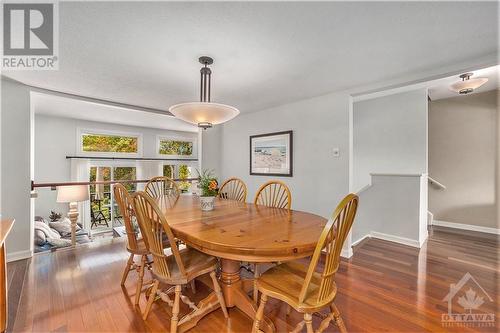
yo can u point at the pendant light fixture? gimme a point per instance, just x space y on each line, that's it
467 85
204 113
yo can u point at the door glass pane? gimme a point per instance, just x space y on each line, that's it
184 172
100 199
168 171
123 173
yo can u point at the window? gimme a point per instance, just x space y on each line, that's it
107 143
176 147
168 171
179 172
184 172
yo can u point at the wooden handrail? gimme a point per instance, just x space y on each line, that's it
111 158
103 182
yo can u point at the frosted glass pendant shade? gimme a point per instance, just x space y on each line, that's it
204 112
467 85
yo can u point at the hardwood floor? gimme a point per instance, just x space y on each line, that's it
384 287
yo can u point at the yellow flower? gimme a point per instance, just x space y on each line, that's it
213 185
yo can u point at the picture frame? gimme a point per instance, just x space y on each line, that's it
271 154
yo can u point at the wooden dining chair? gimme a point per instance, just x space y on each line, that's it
275 194
174 270
158 187
310 289
233 189
135 246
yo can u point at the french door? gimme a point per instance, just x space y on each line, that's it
104 212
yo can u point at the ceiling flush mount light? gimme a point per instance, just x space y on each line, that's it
467 85
204 113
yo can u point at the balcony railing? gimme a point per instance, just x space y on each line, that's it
53 186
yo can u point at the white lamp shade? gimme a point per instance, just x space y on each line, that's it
204 112
468 84
73 193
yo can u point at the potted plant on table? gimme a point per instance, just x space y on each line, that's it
209 189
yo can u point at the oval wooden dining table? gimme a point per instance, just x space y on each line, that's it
237 231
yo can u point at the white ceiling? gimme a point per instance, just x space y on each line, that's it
58 106
266 53
440 89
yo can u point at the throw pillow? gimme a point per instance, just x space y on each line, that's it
41 219
49 233
40 238
63 227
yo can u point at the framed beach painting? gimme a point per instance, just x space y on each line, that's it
271 154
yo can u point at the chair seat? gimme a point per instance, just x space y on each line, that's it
285 282
195 264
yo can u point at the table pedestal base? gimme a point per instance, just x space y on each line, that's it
235 293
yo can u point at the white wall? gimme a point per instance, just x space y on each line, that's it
57 137
319 180
390 135
393 208
212 149
463 148
15 167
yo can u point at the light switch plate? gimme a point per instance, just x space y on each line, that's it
336 152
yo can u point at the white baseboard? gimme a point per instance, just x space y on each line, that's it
470 227
346 253
14 256
360 240
396 239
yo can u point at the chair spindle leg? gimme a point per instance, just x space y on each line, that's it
140 280
175 309
308 320
130 262
260 314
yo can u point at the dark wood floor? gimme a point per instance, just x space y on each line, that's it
384 287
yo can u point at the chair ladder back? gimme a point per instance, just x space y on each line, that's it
154 226
274 194
332 240
158 187
233 189
126 206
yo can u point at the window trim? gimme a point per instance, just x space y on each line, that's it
83 131
194 141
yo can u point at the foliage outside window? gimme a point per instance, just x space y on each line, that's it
184 173
168 171
109 143
100 195
178 172
125 173
176 147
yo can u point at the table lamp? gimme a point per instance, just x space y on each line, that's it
73 194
